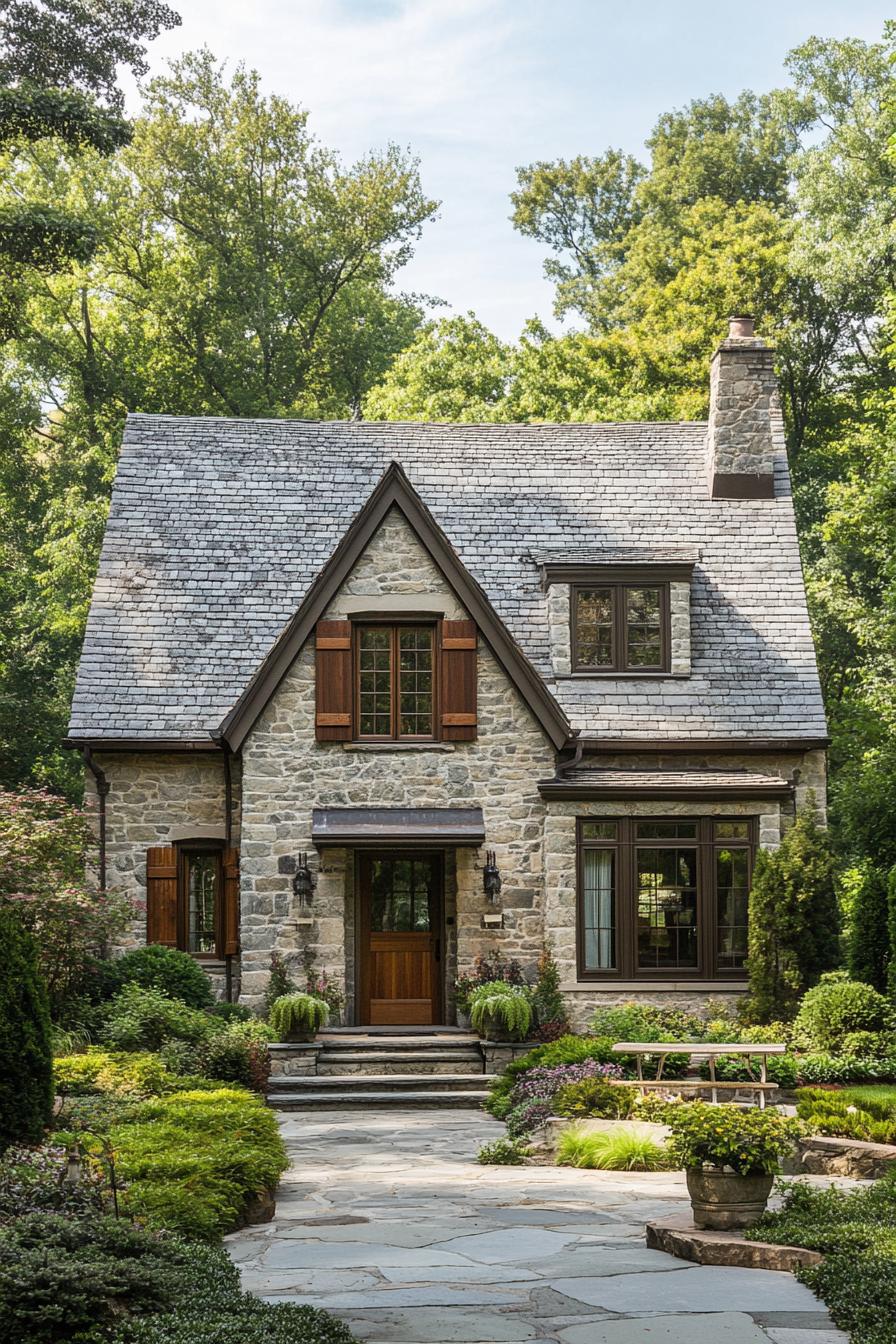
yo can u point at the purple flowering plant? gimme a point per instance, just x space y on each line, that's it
542 1084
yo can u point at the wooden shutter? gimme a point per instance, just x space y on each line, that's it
231 931
458 690
333 677
161 895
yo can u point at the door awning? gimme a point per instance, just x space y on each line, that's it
400 826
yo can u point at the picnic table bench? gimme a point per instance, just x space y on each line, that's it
710 1050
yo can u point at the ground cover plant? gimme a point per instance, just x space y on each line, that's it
503 1153
848 1114
856 1233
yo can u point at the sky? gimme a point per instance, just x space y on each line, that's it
477 88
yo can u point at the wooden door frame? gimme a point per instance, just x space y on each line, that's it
362 946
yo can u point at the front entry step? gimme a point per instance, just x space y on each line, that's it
346 1063
358 1093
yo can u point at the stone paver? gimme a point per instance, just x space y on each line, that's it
393 1226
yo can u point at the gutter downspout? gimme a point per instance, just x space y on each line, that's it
564 767
102 789
228 841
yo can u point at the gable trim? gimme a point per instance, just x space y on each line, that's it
393 490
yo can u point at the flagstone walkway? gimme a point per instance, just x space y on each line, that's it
386 1220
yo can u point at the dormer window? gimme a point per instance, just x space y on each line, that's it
620 627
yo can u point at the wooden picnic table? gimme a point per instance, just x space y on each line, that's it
710 1050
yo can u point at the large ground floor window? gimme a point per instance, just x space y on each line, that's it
664 898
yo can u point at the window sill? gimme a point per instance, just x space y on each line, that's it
654 986
397 746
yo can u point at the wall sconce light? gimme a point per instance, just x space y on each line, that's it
491 878
303 882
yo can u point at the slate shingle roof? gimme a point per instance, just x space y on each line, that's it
217 528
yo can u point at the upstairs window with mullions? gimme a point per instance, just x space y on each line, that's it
395 681
620 627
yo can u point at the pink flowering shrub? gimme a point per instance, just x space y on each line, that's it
45 846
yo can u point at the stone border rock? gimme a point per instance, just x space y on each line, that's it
677 1236
820 1155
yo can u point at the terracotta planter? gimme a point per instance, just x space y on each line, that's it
721 1199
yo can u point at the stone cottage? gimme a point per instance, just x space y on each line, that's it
392 696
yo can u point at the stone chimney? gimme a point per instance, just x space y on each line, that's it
746 431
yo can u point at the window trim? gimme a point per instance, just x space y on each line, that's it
624 846
185 850
407 621
620 668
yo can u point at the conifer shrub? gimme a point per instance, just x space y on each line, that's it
26 1049
793 919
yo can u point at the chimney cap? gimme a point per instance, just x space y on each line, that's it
741 326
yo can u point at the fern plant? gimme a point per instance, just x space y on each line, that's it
298 1016
498 1009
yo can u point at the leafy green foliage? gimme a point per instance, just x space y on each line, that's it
31 1181
298 1014
843 1115
856 1233
26 1069
593 1097
236 1053
750 1142
280 982
793 918
612 1150
500 1009
176 973
503 1153
780 1069
192 1160
139 1074
139 1018
837 1009
548 1005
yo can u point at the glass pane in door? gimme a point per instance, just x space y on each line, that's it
667 908
402 895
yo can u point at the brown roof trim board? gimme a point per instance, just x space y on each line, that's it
141 744
393 490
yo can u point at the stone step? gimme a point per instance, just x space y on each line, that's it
379 1067
363 1100
353 1044
377 1082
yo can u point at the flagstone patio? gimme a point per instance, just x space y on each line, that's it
386 1220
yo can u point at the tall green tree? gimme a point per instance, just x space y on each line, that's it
869 938
26 1053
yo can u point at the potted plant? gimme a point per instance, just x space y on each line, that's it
463 988
298 1017
500 1011
730 1157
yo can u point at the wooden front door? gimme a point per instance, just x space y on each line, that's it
400 940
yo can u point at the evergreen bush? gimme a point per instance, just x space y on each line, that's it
793 918
839 1008
26 1049
141 1019
869 934
177 974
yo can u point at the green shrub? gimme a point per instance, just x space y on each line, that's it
503 1153
141 1019
548 1006
500 1009
592 1096
64 1279
298 1015
237 1053
232 1012
868 1044
124 1074
570 1049
177 974
855 1231
644 1022
617 1150
842 1115
280 982
526 1117
191 1160
836 1009
749 1142
26 1049
824 1068
246 1321
869 941
793 918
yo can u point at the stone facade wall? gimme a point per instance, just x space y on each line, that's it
156 798
560 628
286 773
